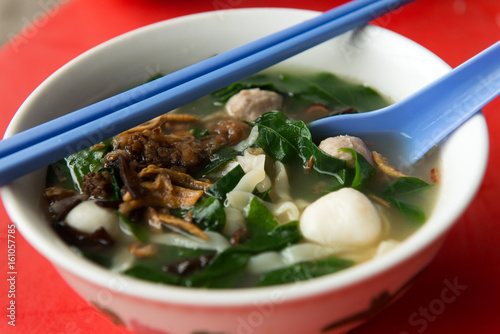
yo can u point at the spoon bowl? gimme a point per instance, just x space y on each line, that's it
416 124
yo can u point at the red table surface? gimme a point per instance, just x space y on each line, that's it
455 30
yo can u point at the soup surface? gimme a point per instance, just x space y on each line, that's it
231 191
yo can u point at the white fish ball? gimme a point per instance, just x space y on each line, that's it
344 218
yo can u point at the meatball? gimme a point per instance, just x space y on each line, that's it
249 104
344 218
331 146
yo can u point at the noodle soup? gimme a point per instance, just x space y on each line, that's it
231 191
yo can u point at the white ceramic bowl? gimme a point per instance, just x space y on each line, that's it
389 62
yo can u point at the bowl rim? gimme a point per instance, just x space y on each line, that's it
90 272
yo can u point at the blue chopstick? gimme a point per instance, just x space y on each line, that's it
122 100
112 116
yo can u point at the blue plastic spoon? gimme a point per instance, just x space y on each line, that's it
414 125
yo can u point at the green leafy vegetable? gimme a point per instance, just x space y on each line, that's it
290 142
396 192
152 268
217 159
233 260
263 195
344 178
86 161
260 220
140 232
209 214
266 235
302 90
364 171
226 264
169 254
278 238
412 212
304 270
224 94
58 174
100 257
406 185
226 183
155 76
153 275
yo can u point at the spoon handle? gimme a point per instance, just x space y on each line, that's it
411 127
448 102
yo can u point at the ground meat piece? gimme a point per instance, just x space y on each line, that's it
98 185
190 153
231 132
174 145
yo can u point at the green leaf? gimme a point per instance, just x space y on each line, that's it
411 212
58 174
155 76
104 259
364 171
226 264
342 93
260 220
226 183
405 185
344 178
319 88
278 238
224 94
301 90
209 214
151 268
169 254
290 142
217 159
304 271
263 195
140 232
153 275
86 161
226 267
